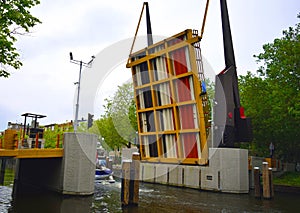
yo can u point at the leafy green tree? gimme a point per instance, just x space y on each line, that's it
118 125
210 88
15 19
272 98
254 92
280 59
50 136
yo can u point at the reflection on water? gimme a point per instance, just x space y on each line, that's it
153 198
50 203
5 198
107 197
160 198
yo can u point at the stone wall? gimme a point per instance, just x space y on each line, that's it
227 172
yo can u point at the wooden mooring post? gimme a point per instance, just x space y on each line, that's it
268 191
271 182
109 163
257 184
130 181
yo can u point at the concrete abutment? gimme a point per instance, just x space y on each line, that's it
73 174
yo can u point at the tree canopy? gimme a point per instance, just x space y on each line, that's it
15 19
118 125
272 99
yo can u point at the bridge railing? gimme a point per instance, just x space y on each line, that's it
59 140
12 140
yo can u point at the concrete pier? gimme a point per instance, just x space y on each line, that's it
227 172
72 174
79 163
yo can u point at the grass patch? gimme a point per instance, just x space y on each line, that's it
9 177
288 179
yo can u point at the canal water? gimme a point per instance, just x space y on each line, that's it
153 198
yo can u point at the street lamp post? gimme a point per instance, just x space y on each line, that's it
80 63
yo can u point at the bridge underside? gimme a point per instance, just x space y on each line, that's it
37 175
41 168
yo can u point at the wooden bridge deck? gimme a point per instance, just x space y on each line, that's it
32 153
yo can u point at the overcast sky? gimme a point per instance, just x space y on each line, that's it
45 83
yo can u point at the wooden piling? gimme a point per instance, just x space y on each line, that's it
108 163
271 182
125 183
266 181
257 185
2 172
130 181
135 178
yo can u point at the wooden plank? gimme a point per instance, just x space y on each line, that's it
32 153
162 52
166 42
8 152
40 153
197 161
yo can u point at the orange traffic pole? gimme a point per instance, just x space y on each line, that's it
36 140
57 141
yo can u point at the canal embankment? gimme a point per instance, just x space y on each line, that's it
286 182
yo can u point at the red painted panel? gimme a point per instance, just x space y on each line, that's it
179 58
183 88
190 145
242 113
187 117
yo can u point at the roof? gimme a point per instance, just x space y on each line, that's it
32 115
